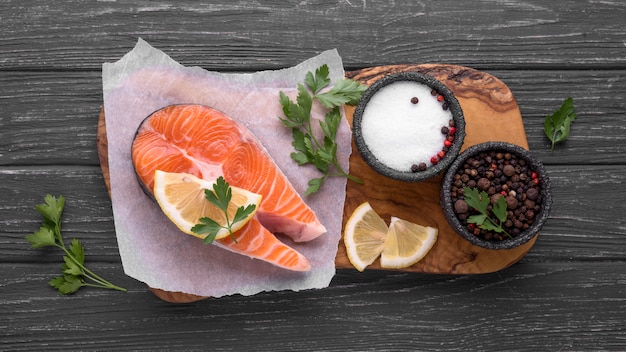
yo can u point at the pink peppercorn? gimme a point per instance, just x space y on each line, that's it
434 160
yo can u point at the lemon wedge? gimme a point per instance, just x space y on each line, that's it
406 244
182 199
364 236
399 245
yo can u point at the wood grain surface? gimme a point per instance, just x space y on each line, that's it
566 294
242 35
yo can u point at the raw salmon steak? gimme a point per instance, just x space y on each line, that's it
203 141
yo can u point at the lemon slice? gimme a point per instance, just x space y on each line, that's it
182 199
364 236
406 244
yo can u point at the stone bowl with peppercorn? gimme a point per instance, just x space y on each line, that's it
408 126
496 195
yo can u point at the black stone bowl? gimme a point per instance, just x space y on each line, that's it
431 170
539 219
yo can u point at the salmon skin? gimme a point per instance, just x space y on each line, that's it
204 142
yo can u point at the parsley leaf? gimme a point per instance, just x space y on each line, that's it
42 238
67 284
322 152
209 227
221 196
345 91
52 209
319 81
480 202
74 271
71 266
557 126
77 250
499 210
314 185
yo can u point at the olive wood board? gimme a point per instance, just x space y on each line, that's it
491 114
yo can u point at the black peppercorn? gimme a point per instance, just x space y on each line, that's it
500 174
532 193
509 170
511 202
483 184
460 206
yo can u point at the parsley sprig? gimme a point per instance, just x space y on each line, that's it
75 274
308 149
557 125
220 196
480 202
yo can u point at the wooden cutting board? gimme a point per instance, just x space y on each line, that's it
491 114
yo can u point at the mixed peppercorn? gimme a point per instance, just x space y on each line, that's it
499 174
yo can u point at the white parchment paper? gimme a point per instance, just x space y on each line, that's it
152 249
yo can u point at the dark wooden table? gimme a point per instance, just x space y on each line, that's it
567 294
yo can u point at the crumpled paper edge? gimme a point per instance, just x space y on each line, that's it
125 68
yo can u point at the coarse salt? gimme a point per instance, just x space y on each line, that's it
399 133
